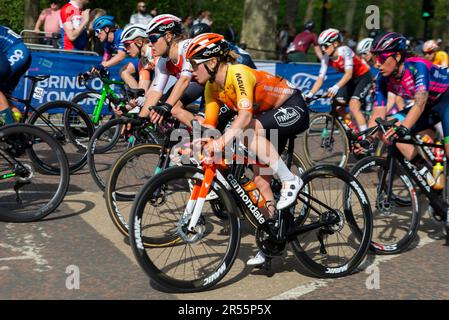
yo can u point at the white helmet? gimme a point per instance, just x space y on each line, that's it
165 23
430 46
133 31
328 36
364 45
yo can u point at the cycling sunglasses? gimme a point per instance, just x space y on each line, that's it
155 37
382 57
128 44
97 32
196 63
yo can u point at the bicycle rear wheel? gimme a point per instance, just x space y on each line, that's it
395 224
334 250
72 136
325 142
197 261
27 193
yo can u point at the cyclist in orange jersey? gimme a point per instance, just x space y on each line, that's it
263 102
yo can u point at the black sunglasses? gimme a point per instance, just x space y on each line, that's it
155 37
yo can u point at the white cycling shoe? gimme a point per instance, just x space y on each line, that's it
289 192
258 260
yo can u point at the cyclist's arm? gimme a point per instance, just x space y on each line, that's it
119 57
346 77
178 90
391 100
151 99
244 84
417 109
323 70
318 52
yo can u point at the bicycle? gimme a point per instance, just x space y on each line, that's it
53 117
161 213
29 193
393 184
106 97
333 136
138 164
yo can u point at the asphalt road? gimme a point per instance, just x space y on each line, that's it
41 260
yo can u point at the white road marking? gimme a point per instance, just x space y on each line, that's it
318 284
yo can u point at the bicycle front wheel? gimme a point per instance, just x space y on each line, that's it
197 261
29 194
336 249
395 218
325 142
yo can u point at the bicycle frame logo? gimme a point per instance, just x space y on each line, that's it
417 175
246 199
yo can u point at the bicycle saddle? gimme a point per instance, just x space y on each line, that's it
38 78
386 123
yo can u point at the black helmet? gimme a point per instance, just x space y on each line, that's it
199 28
389 42
309 25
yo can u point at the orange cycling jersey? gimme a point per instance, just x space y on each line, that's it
245 89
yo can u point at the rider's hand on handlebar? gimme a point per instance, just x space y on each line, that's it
332 91
307 96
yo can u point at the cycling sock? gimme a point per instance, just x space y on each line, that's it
282 172
7 116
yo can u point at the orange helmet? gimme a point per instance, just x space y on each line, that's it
206 46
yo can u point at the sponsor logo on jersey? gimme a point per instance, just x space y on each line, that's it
244 104
285 117
239 78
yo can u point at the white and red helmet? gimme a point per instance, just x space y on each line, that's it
430 46
165 23
328 36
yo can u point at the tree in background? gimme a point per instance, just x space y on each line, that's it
259 28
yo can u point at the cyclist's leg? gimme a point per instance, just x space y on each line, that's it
362 86
283 122
442 109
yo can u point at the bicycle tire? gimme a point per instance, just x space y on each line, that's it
340 158
114 136
328 269
62 184
114 199
108 155
385 239
68 141
201 279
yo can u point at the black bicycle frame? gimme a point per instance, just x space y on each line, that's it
435 200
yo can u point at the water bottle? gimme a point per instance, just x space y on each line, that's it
427 139
256 197
438 175
438 152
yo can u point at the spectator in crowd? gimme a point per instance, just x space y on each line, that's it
95 44
297 50
74 22
141 17
50 18
282 42
153 12
204 16
187 23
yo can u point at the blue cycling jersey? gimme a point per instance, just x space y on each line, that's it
8 38
245 57
116 45
419 74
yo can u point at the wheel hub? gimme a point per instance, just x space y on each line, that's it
191 236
